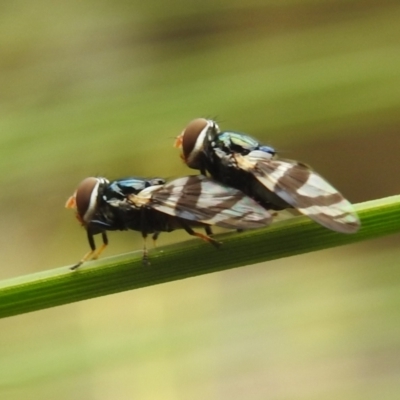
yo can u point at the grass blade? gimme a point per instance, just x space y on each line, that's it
183 260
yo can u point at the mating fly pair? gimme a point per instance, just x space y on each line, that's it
247 181
151 206
240 161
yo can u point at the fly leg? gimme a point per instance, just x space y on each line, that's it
208 230
92 254
155 237
102 247
145 258
143 225
206 238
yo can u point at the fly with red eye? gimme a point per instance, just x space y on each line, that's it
151 206
241 161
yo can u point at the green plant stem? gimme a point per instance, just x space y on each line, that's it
188 259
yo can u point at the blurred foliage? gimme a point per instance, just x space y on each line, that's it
103 88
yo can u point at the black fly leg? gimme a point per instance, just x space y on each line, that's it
208 230
103 246
145 258
92 254
155 237
206 238
143 225
88 254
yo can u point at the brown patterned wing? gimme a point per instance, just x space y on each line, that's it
198 198
304 190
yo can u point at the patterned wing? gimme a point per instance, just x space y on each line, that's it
303 189
198 198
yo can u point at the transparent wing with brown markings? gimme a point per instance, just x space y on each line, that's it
304 190
198 198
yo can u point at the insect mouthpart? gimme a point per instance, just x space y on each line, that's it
179 140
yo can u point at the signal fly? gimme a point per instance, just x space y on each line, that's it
151 206
240 161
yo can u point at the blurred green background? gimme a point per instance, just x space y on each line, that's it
103 87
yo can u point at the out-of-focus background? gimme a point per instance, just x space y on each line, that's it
103 87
